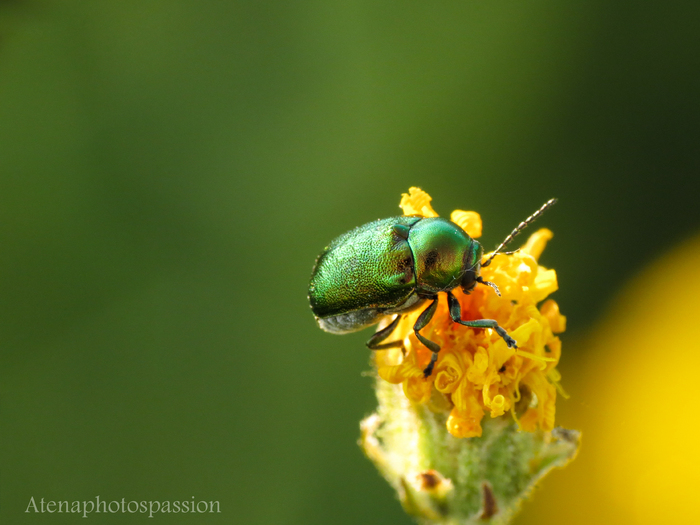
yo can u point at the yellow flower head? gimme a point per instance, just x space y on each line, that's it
476 371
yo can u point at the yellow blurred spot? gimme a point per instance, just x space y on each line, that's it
638 377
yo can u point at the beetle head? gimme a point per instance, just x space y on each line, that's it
471 276
472 265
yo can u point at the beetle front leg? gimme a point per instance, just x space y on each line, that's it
456 315
422 321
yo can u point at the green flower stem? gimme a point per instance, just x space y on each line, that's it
441 479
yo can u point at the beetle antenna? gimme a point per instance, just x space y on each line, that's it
520 227
489 283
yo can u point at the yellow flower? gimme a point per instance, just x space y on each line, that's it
476 371
415 436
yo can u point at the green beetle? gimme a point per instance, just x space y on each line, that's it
395 265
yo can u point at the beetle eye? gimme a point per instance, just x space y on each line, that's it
468 281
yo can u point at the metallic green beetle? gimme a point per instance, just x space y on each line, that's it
392 266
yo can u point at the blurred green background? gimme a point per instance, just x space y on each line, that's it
171 169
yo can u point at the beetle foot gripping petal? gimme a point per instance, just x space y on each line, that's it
429 369
512 343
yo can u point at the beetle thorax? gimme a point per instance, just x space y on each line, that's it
442 253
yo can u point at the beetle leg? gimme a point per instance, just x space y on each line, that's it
456 315
423 319
380 335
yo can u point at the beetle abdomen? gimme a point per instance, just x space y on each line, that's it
359 319
369 268
350 321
